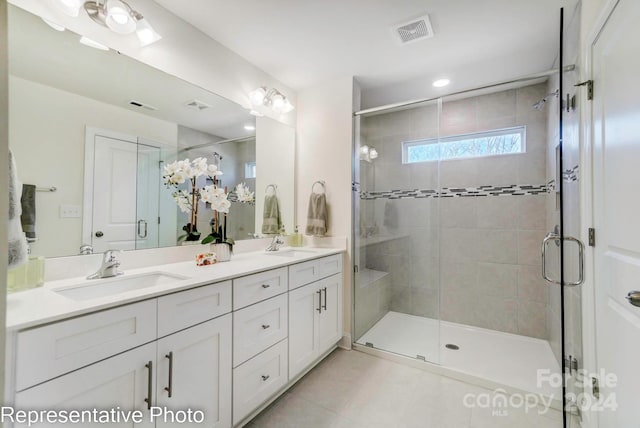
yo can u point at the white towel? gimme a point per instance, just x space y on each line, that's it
18 248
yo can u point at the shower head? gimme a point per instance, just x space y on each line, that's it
540 104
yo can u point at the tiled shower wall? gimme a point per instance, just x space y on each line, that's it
471 260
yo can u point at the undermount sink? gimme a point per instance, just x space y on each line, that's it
96 288
290 253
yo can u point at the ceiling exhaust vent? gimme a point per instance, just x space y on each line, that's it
414 30
142 105
197 105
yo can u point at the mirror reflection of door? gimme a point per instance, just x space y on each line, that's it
125 188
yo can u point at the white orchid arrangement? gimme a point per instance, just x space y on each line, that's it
179 172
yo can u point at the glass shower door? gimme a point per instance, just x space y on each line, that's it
396 250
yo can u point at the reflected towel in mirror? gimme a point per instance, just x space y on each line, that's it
271 218
28 217
17 241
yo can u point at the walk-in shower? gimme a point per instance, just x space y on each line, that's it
450 216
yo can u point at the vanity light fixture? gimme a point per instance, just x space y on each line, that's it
93 44
117 15
270 98
368 153
53 25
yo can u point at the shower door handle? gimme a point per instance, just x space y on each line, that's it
140 234
551 236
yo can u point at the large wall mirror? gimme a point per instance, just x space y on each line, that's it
93 129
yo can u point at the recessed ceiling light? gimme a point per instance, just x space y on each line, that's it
441 83
250 127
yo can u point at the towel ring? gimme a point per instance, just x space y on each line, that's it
270 186
320 182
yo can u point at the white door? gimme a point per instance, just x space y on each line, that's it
616 163
330 325
304 307
115 169
148 196
123 380
195 366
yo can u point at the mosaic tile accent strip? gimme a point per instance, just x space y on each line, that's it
460 192
572 174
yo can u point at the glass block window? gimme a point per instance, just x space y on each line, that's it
490 143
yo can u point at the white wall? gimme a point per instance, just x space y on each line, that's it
323 152
47 134
275 154
184 51
4 173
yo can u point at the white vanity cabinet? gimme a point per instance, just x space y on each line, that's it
194 372
226 349
315 321
124 380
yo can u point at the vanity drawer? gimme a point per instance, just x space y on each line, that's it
258 379
181 310
46 352
260 286
313 270
257 327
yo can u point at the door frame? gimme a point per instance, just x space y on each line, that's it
89 161
589 344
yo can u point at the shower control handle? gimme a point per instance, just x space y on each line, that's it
634 298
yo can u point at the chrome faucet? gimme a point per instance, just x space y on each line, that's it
109 267
276 242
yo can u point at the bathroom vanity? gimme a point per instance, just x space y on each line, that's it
225 339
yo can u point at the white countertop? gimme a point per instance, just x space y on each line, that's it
43 305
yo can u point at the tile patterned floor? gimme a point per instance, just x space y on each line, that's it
350 389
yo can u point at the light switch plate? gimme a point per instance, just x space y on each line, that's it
70 211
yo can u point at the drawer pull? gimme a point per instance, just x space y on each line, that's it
319 308
266 285
265 326
265 377
169 388
147 400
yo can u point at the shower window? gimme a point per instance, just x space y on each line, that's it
489 143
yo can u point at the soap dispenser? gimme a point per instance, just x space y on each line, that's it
295 240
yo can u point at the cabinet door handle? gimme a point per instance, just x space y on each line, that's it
266 285
169 388
265 377
325 298
265 326
319 309
149 367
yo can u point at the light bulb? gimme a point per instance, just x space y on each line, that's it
373 153
69 7
364 149
119 19
257 96
278 102
146 33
